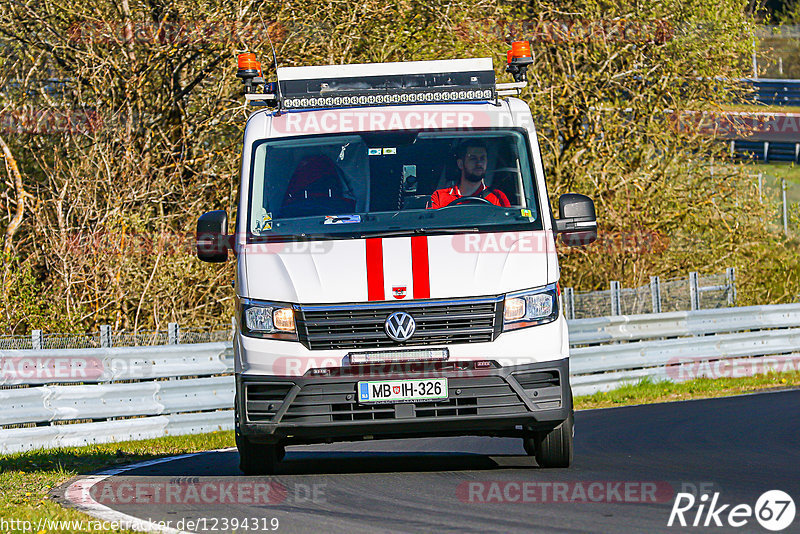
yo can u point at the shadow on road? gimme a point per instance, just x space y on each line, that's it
336 462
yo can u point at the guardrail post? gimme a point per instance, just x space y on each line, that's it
730 274
36 339
694 291
785 208
655 293
760 185
105 336
766 151
615 299
569 303
172 333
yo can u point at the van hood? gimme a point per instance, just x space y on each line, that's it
397 268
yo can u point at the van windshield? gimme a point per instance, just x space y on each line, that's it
392 183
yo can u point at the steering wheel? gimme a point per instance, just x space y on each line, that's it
465 200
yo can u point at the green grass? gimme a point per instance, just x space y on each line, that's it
648 391
787 170
26 478
773 173
758 108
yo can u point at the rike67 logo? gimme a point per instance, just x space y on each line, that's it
774 510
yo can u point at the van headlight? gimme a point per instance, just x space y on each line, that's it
268 320
530 308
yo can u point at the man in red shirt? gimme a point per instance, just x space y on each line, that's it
472 164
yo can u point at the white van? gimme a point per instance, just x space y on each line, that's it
396 259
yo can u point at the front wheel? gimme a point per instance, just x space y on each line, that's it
258 458
553 448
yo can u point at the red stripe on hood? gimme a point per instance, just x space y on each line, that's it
375 269
420 269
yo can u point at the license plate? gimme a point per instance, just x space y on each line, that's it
423 389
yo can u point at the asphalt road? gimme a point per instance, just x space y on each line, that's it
629 465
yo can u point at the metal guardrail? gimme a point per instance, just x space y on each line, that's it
764 151
184 389
104 401
76 435
591 360
774 91
696 323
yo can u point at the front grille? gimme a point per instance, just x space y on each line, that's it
335 402
362 326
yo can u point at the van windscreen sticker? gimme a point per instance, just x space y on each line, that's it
342 219
265 223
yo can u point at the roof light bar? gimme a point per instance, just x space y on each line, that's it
383 99
384 84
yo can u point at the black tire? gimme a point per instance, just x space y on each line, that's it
553 448
258 458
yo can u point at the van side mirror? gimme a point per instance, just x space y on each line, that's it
212 236
577 222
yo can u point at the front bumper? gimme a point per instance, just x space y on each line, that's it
500 401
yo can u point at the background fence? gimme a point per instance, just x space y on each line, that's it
693 293
783 193
105 338
72 397
776 56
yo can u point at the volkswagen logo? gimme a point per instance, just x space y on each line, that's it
400 326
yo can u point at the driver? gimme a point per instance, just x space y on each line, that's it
471 160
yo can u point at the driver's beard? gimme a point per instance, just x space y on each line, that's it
474 178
